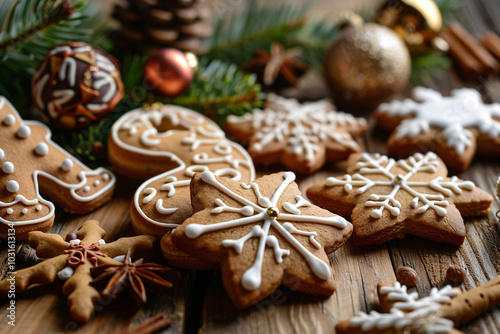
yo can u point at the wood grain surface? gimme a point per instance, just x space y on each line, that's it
198 303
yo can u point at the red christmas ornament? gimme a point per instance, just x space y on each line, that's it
168 72
76 84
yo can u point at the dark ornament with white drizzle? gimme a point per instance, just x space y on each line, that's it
76 85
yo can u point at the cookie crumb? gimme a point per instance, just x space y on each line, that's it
407 276
455 274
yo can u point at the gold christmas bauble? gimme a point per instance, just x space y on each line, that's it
417 22
366 65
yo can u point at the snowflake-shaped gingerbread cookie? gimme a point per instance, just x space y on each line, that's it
387 199
36 173
403 313
259 233
300 136
455 126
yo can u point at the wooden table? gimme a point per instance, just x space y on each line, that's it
198 302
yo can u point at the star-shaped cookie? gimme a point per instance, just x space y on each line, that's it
300 136
259 234
387 199
455 127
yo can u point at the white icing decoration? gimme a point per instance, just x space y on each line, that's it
25 211
42 149
151 193
192 125
73 188
75 242
68 65
9 120
418 163
8 167
2 154
300 126
408 311
60 96
105 177
24 131
65 273
86 189
97 183
67 164
101 79
453 114
119 258
10 211
38 207
12 186
254 213
102 242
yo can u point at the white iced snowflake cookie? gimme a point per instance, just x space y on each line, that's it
167 145
387 199
453 126
300 136
36 172
403 312
256 232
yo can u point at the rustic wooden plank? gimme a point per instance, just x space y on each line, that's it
43 309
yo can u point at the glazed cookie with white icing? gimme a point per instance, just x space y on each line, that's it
262 235
387 199
455 127
167 145
300 136
36 172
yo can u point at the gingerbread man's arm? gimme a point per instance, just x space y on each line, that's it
47 245
141 244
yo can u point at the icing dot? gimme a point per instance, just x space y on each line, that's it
24 131
12 186
41 149
105 177
9 211
38 207
67 164
25 211
86 189
75 242
8 167
9 120
2 154
65 274
97 183
119 258
102 242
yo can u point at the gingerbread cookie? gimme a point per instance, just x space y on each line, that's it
34 166
403 313
300 136
173 142
455 127
72 261
387 199
262 235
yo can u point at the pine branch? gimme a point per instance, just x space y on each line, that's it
235 37
428 66
449 9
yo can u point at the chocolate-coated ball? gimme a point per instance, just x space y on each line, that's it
76 84
168 72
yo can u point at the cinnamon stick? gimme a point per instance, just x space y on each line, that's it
475 48
491 42
467 64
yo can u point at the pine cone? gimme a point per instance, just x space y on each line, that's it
152 24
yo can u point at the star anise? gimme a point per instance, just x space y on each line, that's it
131 275
278 68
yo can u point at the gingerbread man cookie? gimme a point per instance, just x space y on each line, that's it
387 199
259 233
455 127
300 136
34 168
72 261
